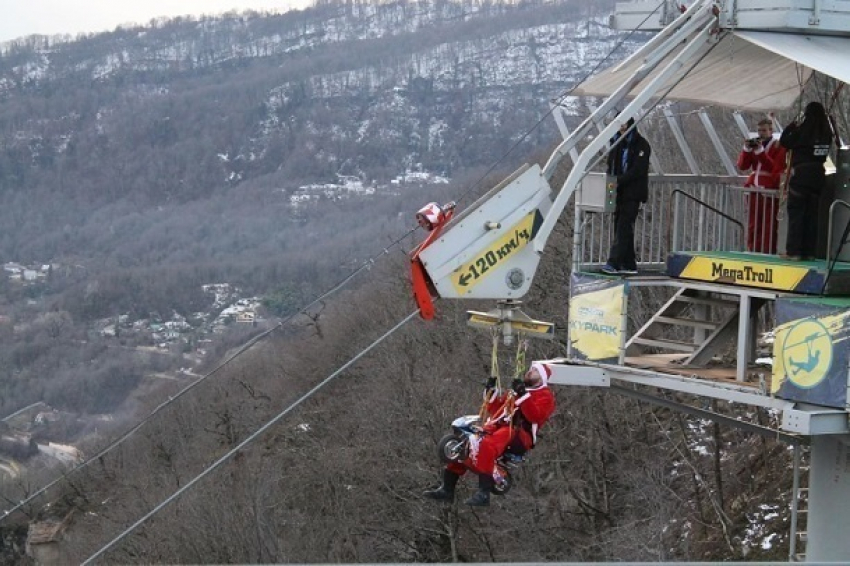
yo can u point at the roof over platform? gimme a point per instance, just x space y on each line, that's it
745 70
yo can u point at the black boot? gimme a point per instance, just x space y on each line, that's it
446 491
481 498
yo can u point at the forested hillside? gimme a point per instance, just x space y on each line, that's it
340 477
153 171
268 152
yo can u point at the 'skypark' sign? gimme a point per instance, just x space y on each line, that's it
596 317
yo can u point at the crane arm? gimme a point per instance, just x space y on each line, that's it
492 249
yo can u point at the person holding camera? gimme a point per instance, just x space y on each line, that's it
764 156
808 139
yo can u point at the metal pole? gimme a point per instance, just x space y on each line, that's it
577 241
814 20
743 337
718 145
683 143
745 131
701 225
829 228
674 244
624 324
795 494
557 113
506 313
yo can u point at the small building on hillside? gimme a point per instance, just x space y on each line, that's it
246 317
44 538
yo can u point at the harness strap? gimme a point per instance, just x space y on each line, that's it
519 362
494 372
783 188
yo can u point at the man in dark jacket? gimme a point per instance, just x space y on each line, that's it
628 161
808 141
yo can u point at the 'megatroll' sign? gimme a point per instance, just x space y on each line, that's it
742 273
765 272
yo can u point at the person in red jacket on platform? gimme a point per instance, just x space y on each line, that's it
766 158
514 430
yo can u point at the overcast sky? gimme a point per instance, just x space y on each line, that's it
24 17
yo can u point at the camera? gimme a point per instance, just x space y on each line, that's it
753 142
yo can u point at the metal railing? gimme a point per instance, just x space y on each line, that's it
833 257
702 242
830 256
708 213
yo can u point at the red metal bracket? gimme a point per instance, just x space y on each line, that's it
423 287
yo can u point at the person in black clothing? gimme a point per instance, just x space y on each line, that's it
628 161
808 141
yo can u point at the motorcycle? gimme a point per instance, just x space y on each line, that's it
454 448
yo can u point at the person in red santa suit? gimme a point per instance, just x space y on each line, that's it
766 158
511 428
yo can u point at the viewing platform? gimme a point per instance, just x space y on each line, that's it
705 326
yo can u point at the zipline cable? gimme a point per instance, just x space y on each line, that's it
366 264
248 440
244 348
286 411
292 406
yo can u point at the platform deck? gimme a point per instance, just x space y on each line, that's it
758 377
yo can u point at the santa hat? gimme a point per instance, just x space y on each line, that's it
432 212
543 370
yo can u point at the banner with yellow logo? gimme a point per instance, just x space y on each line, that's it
810 351
596 317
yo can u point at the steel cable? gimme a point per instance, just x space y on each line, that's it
247 440
242 349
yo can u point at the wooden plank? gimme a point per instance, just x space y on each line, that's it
671 364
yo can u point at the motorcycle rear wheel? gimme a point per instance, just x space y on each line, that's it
452 449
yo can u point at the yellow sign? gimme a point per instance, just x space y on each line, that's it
535 327
806 352
595 320
481 319
804 349
516 238
780 277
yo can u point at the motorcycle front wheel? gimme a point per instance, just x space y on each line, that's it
452 450
504 486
